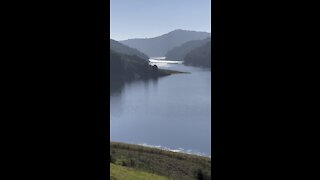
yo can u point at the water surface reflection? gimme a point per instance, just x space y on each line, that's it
172 111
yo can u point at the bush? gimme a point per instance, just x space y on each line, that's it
112 159
201 175
132 163
124 163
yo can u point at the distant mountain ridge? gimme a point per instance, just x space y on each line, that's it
200 56
123 49
160 45
179 53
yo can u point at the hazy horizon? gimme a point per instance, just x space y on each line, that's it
148 18
159 34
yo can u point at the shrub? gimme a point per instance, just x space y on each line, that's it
201 175
112 159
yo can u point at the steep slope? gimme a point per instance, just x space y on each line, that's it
159 46
130 67
123 49
200 56
179 53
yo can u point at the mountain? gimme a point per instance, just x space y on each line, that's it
123 49
178 53
130 67
159 46
200 56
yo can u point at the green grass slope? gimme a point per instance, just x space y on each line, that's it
123 173
163 163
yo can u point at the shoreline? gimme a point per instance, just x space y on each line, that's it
160 149
167 72
172 165
179 150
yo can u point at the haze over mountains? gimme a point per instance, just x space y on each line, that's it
179 53
200 56
128 63
159 46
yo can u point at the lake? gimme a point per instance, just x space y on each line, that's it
172 112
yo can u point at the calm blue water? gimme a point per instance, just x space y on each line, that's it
172 112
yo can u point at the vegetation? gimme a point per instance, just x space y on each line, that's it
159 46
179 53
139 162
124 68
123 49
168 164
128 67
118 172
200 56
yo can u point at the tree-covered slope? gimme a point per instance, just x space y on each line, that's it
128 67
179 53
200 56
123 49
160 45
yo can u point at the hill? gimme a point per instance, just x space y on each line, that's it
200 56
124 68
118 172
128 67
179 53
168 164
159 46
123 49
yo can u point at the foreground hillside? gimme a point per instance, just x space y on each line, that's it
160 45
118 172
159 162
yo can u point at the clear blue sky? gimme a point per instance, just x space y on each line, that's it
150 18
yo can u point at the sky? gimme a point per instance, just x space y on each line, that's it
151 18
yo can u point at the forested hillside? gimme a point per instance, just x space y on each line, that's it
200 56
